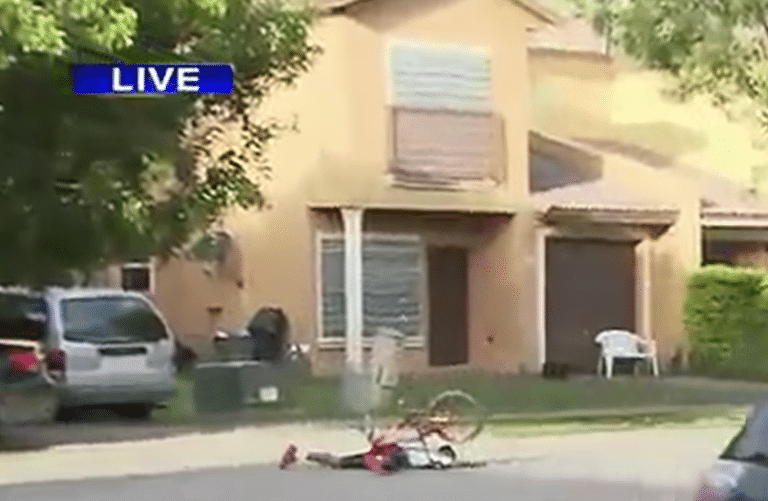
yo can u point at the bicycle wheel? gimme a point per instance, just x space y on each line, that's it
460 417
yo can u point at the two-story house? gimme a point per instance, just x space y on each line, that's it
413 196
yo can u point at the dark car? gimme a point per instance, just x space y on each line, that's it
741 471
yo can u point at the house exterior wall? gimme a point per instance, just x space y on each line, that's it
571 92
675 253
500 318
338 157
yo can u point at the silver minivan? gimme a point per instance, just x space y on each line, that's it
105 347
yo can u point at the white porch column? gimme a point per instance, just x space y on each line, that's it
540 253
646 258
352 218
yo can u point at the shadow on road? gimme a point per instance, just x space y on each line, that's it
325 485
87 426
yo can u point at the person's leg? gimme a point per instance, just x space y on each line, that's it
333 461
323 458
352 461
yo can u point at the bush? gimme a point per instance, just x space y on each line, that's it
726 320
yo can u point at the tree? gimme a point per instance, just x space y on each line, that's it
86 179
717 48
603 15
53 26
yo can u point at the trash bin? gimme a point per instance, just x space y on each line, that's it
253 366
228 386
269 331
229 346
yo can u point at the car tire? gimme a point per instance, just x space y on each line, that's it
136 411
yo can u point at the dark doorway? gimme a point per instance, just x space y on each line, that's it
448 319
590 286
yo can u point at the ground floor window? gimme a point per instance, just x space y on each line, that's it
733 253
393 271
137 276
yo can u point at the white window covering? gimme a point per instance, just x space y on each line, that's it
392 282
434 76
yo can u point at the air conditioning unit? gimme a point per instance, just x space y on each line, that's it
235 385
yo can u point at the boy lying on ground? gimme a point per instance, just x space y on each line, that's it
397 449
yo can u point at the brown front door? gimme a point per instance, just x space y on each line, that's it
448 320
590 286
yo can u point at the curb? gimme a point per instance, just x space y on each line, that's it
661 413
613 414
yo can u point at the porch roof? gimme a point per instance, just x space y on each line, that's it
496 209
724 202
603 201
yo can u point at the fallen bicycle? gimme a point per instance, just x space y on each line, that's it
423 439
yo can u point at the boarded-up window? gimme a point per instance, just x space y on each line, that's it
443 77
452 146
392 285
442 125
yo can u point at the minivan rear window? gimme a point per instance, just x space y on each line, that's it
22 317
108 320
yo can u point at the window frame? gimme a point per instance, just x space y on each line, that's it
149 264
417 341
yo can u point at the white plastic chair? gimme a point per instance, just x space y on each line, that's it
621 344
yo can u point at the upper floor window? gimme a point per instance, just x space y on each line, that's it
443 130
444 77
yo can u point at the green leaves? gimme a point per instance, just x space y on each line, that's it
726 317
47 27
87 179
717 48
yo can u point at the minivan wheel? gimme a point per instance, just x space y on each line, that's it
136 411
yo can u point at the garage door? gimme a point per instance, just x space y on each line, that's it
590 286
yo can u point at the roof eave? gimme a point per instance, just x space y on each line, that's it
509 210
531 6
539 11
725 218
639 216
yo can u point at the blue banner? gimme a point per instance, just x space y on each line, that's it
194 78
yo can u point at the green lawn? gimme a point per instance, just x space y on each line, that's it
320 398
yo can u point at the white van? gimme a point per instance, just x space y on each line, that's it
104 347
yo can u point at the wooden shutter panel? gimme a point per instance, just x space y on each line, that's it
332 282
454 146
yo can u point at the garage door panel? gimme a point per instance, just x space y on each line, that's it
590 286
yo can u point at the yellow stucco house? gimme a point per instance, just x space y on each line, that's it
415 195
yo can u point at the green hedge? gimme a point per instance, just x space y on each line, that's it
726 319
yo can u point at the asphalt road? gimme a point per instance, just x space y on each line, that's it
516 482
